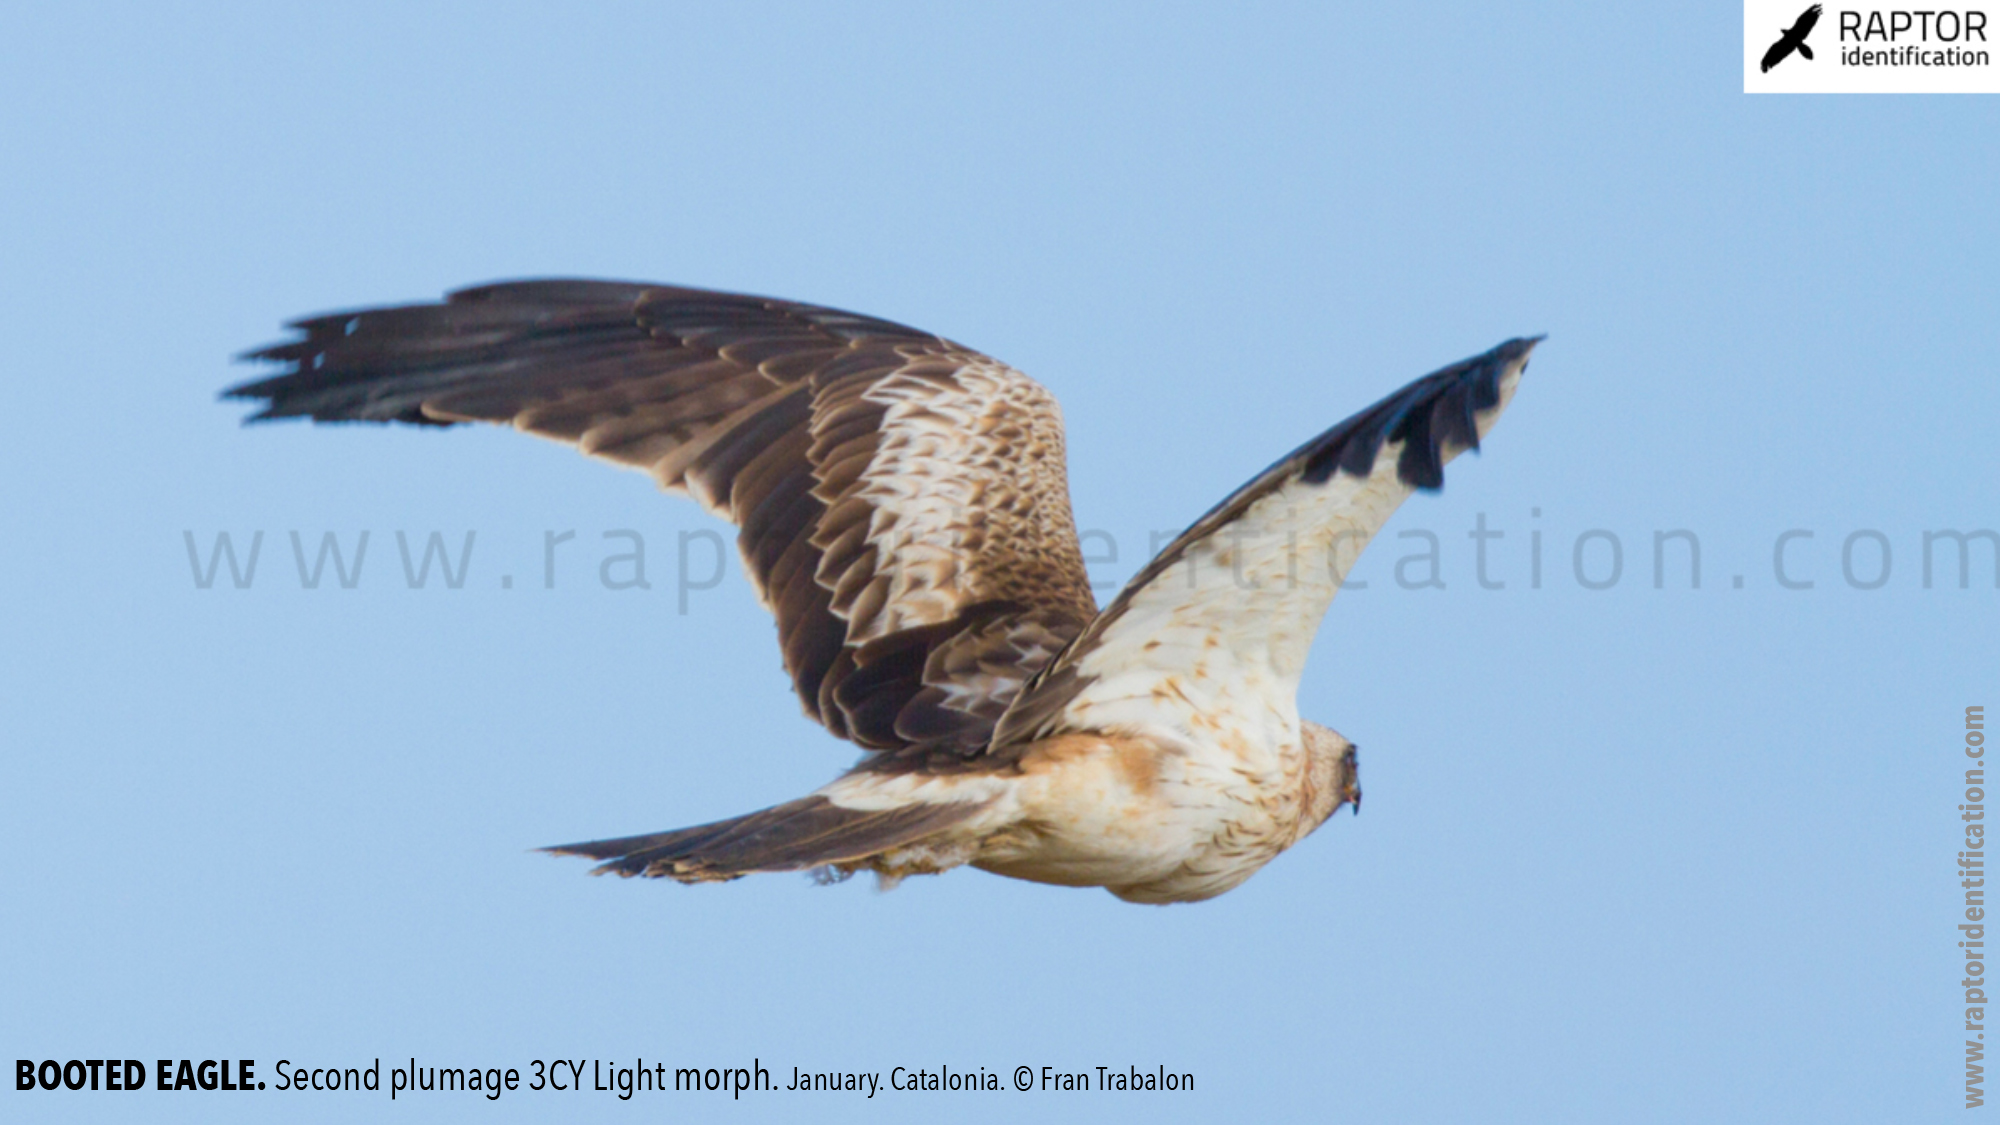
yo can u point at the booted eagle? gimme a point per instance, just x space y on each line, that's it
904 512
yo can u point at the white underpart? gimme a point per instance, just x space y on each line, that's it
863 790
1216 643
1084 824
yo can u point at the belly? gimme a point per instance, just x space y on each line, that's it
1148 824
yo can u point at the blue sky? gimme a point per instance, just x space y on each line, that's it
1634 853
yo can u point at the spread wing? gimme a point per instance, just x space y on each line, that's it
1216 629
902 500
1794 38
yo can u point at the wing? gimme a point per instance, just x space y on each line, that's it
1221 621
1777 53
902 501
1803 28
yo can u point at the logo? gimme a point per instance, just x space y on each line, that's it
1794 39
1871 47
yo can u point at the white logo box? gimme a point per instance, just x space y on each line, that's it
1917 48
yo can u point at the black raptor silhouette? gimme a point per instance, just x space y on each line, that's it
1794 39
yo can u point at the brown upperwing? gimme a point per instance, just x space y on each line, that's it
902 500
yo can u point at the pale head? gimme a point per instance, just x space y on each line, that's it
1332 776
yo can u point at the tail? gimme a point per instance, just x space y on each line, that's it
798 835
1805 50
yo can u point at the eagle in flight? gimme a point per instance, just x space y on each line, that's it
904 512
1793 39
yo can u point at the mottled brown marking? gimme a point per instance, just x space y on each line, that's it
1139 761
1055 753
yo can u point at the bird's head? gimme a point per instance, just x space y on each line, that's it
1333 777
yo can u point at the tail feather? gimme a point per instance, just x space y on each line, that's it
795 836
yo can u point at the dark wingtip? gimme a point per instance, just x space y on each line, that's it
1448 413
1440 407
247 392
